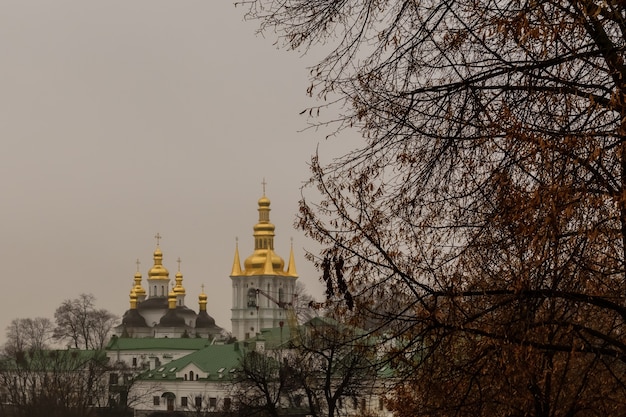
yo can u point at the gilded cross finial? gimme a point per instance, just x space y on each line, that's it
158 237
178 261
138 263
202 287
264 184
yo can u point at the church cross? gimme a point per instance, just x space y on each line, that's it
178 261
138 263
158 237
264 184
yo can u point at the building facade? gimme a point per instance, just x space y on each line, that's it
262 288
161 311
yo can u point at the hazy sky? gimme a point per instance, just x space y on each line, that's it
120 119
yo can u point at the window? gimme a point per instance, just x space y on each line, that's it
183 401
156 400
134 362
212 402
381 403
191 375
198 401
113 379
227 404
251 297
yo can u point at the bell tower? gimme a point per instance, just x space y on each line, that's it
263 270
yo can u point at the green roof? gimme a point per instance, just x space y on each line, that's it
215 360
165 343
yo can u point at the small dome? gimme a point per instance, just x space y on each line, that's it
158 271
204 321
178 288
171 319
264 202
132 318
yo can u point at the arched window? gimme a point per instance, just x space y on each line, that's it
191 375
251 297
281 295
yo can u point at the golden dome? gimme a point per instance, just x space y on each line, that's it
264 201
264 261
171 299
256 262
158 271
202 300
178 288
133 299
138 289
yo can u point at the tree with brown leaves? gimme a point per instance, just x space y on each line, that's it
482 223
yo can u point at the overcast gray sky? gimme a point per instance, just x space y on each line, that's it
120 119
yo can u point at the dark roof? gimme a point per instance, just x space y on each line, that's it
132 318
172 319
204 321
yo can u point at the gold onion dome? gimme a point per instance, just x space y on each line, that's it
158 271
264 244
138 289
133 299
202 300
171 298
179 289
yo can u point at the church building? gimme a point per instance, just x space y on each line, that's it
262 293
263 289
162 311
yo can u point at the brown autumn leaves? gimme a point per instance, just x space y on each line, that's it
482 223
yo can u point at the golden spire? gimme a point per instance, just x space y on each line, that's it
179 289
158 271
133 299
236 262
291 268
264 244
202 300
171 299
268 268
140 292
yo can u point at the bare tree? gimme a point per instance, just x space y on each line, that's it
336 367
79 322
28 334
329 368
55 383
263 383
481 225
